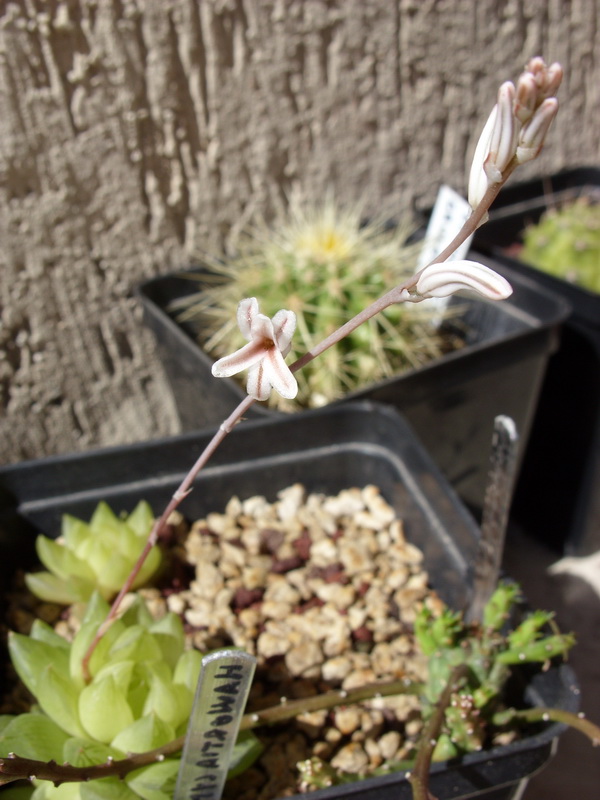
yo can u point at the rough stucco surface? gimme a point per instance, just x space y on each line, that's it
133 132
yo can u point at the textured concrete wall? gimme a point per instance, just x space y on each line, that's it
134 131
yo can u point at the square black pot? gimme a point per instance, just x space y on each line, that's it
558 496
451 403
349 445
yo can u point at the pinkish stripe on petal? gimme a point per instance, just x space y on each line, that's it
258 385
247 310
279 375
244 358
442 280
284 325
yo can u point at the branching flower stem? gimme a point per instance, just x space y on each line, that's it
419 776
16 768
395 295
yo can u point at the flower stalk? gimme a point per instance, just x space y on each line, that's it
269 340
514 133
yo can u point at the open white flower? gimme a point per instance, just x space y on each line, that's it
449 277
269 342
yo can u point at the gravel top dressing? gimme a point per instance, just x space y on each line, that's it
324 591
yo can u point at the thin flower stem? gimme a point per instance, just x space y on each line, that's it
539 714
395 295
161 523
419 776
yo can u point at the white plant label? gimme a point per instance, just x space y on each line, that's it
447 218
219 704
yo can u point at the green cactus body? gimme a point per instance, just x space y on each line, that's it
326 267
566 243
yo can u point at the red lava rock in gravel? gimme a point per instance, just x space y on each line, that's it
362 634
302 545
243 598
271 540
314 602
281 565
323 590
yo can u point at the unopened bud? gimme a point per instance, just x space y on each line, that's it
533 135
526 97
442 280
503 140
478 180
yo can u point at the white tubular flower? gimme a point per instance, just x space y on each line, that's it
496 146
516 129
478 180
449 277
269 342
503 139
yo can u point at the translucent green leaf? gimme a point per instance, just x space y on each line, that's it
58 697
144 734
33 736
42 632
85 753
30 657
129 543
245 752
74 532
137 644
112 572
139 686
168 633
106 789
104 710
170 701
138 614
96 613
141 519
52 589
187 670
120 672
156 782
151 564
104 518
66 791
61 561
5 719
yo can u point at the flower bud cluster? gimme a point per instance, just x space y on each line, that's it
517 126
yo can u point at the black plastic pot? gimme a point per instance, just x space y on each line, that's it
451 403
558 495
338 447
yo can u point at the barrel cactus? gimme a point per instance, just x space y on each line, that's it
566 243
325 265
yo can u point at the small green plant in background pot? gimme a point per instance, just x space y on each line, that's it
325 264
566 243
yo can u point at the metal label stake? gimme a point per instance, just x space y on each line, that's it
219 704
496 505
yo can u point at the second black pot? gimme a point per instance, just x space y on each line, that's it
451 402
